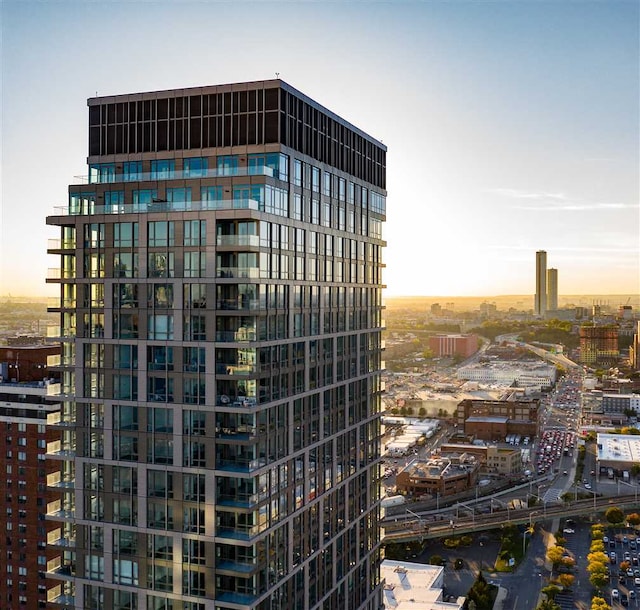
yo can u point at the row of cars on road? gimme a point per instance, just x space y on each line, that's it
552 446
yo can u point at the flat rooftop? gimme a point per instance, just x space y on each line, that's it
414 586
618 447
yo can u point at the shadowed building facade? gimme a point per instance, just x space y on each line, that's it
221 318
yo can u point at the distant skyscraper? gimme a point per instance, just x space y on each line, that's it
552 289
541 283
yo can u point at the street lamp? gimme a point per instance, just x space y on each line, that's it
420 520
634 487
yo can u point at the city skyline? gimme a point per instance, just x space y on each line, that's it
513 126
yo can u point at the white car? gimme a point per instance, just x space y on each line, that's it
615 594
568 530
636 581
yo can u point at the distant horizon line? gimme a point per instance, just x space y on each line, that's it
416 296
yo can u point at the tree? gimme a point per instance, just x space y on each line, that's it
597 546
614 515
422 412
566 580
554 555
550 591
599 579
625 565
597 557
633 519
635 470
548 604
598 603
568 562
436 560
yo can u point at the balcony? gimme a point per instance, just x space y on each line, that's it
238 304
246 532
238 336
227 400
238 241
55 480
56 333
54 245
238 272
236 370
63 543
59 570
60 451
236 568
233 597
159 206
169 174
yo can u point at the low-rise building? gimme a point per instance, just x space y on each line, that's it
522 374
618 452
441 476
453 345
415 586
621 403
492 420
493 458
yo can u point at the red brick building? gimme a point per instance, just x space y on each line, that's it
453 345
25 409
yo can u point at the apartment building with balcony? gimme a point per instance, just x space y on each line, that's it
221 317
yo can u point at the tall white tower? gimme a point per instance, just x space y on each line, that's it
540 305
552 289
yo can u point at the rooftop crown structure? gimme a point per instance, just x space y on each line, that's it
221 317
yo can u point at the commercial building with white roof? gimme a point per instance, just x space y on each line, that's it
618 451
415 586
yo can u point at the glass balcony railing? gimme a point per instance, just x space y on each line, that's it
238 304
225 400
111 178
240 335
158 206
238 240
238 272
235 369
61 244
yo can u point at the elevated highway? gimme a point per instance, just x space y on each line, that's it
419 529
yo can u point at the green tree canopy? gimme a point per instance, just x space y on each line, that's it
614 515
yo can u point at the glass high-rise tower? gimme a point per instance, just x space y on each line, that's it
221 318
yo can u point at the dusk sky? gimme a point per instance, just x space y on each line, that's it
511 126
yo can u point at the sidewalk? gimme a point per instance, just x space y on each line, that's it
500 598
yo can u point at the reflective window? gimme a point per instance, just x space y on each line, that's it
160 327
194 264
161 233
227 165
102 172
125 234
125 264
195 167
161 264
114 202
195 232
132 170
162 169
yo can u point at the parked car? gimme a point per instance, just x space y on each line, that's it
615 594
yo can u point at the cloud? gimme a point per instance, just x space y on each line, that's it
517 194
557 202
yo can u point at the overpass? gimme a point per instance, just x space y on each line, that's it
419 529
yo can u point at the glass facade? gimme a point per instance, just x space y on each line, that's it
227 395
